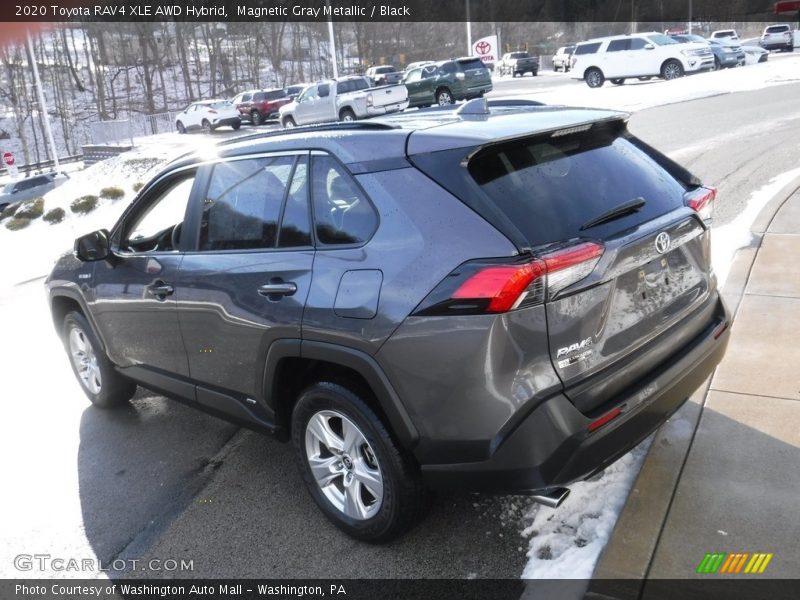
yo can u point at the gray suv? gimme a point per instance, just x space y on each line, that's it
505 298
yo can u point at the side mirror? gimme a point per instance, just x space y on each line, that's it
92 246
649 46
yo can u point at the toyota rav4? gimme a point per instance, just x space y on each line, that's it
505 298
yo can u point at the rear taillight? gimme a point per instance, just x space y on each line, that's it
502 286
481 287
701 201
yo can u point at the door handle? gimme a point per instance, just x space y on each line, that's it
160 290
278 288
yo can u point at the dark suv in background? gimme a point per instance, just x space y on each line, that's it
445 82
505 297
258 106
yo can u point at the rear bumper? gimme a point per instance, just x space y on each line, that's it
226 121
552 445
376 111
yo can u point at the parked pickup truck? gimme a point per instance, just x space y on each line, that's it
343 99
518 63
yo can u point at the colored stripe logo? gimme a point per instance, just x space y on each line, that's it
734 563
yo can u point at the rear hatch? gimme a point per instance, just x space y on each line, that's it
476 74
621 260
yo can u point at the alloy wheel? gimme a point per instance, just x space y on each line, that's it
344 465
84 360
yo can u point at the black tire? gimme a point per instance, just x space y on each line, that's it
206 126
404 499
534 73
180 127
288 123
114 389
444 97
255 118
617 81
236 125
347 115
672 69
594 77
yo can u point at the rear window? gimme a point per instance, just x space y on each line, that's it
468 65
519 55
384 70
777 28
551 186
273 95
587 48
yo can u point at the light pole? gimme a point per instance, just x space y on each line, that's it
332 42
469 31
42 109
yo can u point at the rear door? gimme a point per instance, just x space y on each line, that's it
616 280
618 62
245 282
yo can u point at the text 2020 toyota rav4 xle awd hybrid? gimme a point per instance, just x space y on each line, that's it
503 297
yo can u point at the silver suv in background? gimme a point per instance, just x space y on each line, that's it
30 187
777 37
641 55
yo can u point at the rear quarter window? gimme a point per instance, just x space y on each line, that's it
587 48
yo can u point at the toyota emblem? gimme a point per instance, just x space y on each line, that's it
662 242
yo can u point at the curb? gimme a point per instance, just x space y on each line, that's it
625 561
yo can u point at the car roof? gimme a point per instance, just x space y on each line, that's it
388 138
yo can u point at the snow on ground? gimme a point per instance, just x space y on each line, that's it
637 95
40 244
727 239
565 543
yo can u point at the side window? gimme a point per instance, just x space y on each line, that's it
324 90
413 76
637 44
448 67
247 97
309 95
243 203
342 213
587 48
344 87
296 222
618 45
157 227
428 72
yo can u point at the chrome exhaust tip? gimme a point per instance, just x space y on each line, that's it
552 498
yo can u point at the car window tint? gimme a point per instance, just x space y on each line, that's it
587 48
550 187
448 67
152 228
296 222
618 45
243 203
637 44
342 213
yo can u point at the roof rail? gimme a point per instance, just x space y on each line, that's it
349 126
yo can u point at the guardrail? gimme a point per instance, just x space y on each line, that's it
42 165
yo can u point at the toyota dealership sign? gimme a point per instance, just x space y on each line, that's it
486 49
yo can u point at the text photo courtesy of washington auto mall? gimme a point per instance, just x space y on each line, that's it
377 299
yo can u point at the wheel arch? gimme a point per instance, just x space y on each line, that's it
292 365
63 302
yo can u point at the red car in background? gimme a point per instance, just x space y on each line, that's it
258 106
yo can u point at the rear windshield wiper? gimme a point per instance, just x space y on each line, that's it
623 210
